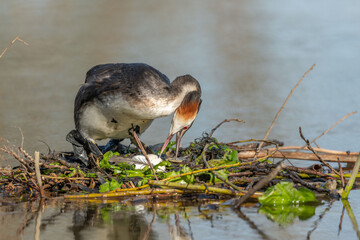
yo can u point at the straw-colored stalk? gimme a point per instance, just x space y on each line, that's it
352 179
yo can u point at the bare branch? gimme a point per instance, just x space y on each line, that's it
12 42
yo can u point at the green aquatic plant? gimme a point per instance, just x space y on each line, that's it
109 186
285 215
284 193
352 179
283 203
104 163
183 179
212 178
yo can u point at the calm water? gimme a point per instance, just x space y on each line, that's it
247 56
123 219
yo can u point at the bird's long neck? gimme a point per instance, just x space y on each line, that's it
176 94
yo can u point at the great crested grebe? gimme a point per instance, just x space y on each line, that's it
118 98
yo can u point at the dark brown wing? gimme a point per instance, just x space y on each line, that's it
131 80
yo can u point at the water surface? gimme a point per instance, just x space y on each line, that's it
119 219
247 56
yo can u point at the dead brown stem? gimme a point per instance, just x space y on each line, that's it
332 126
38 173
240 174
344 158
282 107
12 42
297 179
321 150
17 157
341 174
316 154
308 171
259 185
224 121
27 156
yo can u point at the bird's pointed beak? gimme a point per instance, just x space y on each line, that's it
166 143
179 135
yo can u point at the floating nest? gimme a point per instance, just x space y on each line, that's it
206 168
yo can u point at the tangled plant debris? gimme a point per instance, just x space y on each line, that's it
116 175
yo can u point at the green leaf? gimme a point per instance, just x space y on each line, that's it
73 172
225 148
134 173
164 163
109 186
169 146
223 173
183 179
104 163
143 181
91 175
285 215
55 163
117 169
171 174
187 178
234 156
284 193
213 146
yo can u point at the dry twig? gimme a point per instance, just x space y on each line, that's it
311 149
332 126
259 185
38 173
201 188
341 174
12 42
282 107
331 157
224 121
297 179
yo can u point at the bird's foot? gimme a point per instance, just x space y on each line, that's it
83 147
135 129
77 142
92 147
114 146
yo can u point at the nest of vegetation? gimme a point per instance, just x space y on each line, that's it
206 168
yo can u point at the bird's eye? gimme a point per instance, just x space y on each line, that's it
185 128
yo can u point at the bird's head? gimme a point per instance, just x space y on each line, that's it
183 118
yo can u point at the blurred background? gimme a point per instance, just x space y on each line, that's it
247 56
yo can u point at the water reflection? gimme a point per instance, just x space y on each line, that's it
351 216
285 215
139 219
111 221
